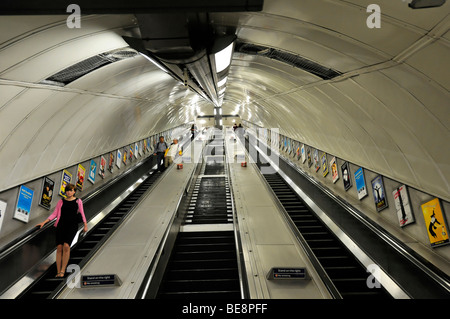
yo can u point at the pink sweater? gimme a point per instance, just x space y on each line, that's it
57 212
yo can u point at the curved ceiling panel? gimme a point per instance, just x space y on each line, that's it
388 110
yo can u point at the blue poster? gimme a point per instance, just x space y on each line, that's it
92 171
23 207
360 183
379 195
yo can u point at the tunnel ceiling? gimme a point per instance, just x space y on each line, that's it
385 107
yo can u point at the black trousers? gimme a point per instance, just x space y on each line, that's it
160 160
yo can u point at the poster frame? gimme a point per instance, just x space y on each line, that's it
92 171
66 178
80 182
383 204
334 170
324 163
361 189
3 206
444 224
26 202
41 197
407 208
349 183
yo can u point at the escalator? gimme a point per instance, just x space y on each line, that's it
344 270
204 264
47 286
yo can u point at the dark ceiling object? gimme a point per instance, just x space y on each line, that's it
422 4
88 65
32 7
185 45
288 58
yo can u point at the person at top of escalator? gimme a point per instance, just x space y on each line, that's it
160 150
66 224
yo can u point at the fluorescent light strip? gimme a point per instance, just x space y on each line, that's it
223 58
154 62
222 82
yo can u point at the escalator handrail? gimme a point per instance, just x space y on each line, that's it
432 271
149 276
328 283
33 232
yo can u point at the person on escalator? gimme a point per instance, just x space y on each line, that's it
66 214
174 149
160 151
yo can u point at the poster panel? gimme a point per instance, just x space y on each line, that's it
131 151
92 171
2 213
48 186
308 152
66 178
324 164
303 154
23 206
111 162
119 158
435 222
316 160
379 194
81 174
102 167
403 206
136 150
334 170
346 177
124 156
360 183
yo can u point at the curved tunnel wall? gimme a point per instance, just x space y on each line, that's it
387 111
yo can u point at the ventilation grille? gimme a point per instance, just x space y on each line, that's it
84 67
288 58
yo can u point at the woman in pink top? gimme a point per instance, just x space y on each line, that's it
66 224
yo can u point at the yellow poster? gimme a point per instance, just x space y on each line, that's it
80 176
435 222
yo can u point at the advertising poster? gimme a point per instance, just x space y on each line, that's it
111 162
124 156
81 173
360 183
379 195
2 213
102 168
324 164
45 200
119 158
402 205
309 157
334 170
23 206
435 222
66 178
92 171
345 168
131 152
136 150
316 160
299 152
303 153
